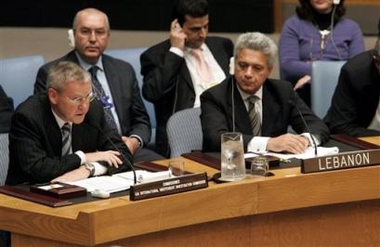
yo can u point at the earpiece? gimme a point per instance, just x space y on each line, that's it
70 37
336 2
232 66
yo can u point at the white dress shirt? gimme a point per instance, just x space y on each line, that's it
199 85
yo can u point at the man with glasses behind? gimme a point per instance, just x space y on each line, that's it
115 82
62 135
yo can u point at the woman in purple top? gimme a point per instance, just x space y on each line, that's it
317 32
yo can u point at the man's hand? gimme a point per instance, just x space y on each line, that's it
302 81
77 174
132 143
110 156
289 143
177 35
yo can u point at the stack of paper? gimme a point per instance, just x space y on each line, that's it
309 153
120 181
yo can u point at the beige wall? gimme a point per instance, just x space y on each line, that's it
52 42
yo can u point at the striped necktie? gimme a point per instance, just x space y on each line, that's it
66 139
254 116
100 95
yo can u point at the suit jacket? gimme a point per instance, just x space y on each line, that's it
6 111
168 84
125 91
356 97
278 113
35 142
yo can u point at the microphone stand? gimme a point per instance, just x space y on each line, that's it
117 149
293 103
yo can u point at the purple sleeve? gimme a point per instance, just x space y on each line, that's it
291 65
357 41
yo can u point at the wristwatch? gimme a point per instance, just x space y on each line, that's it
90 168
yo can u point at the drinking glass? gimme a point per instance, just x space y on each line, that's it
233 166
259 166
176 168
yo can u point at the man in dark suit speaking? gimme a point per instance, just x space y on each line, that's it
176 71
62 135
116 85
258 107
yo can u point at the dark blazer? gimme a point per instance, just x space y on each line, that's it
356 97
278 113
125 91
168 84
6 111
35 142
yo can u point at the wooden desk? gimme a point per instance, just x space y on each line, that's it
371 139
338 208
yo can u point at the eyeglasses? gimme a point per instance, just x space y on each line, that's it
88 32
80 100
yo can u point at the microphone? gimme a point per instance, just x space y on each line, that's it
117 149
232 73
293 102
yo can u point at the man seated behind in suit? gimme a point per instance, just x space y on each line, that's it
355 106
6 111
117 78
38 151
173 79
226 107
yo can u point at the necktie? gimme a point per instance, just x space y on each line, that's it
100 94
202 67
254 116
66 139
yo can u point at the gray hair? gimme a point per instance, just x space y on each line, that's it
258 42
92 11
64 72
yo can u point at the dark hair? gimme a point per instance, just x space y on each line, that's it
306 12
193 8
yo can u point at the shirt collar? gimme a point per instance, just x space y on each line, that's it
244 95
59 120
203 47
86 65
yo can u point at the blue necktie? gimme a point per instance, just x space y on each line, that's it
100 95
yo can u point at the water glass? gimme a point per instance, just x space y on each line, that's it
176 168
259 166
232 152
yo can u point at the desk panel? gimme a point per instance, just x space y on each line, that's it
335 208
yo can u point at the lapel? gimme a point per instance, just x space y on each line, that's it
184 75
270 111
53 132
78 137
114 83
242 122
219 56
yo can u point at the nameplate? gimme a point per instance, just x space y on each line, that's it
59 190
340 161
168 186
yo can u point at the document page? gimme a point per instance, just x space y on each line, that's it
309 153
120 181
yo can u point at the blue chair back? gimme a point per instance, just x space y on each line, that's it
132 56
18 75
324 76
184 132
4 157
